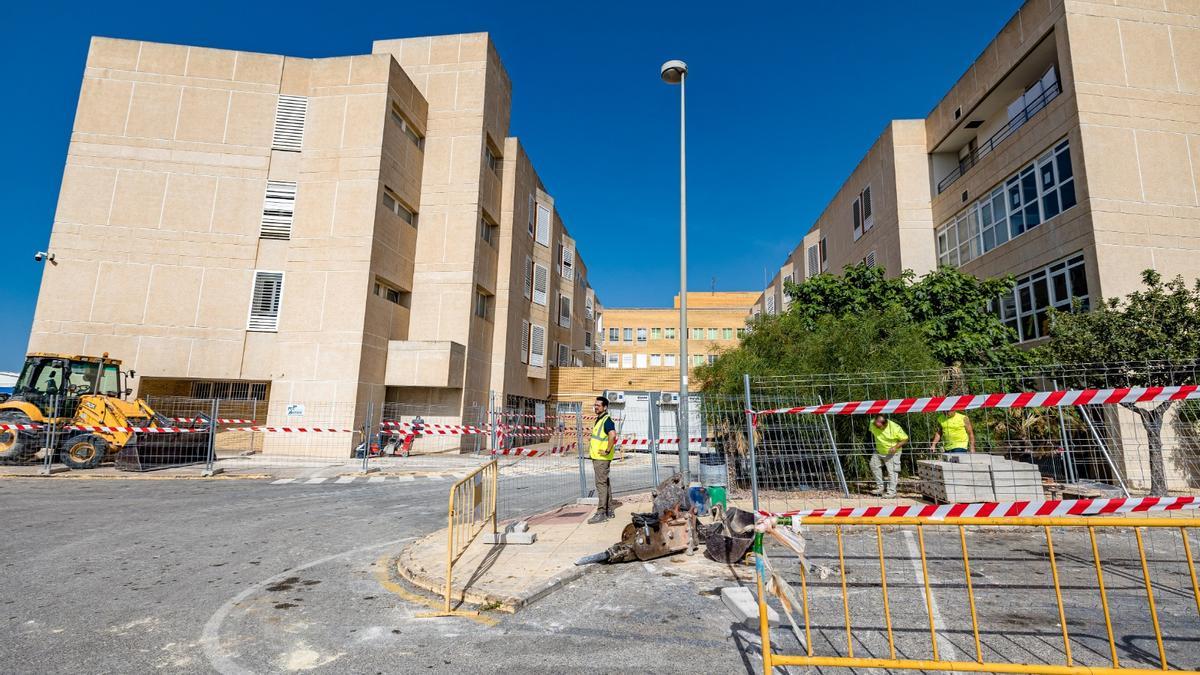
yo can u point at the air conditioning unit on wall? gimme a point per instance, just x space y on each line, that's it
668 398
615 396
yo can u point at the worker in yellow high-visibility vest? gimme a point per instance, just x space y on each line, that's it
600 448
889 440
955 431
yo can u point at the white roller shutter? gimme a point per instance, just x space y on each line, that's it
537 346
568 262
528 277
564 355
264 302
564 311
524 341
541 284
814 262
279 207
290 114
543 225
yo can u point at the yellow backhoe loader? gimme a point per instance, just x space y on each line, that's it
87 391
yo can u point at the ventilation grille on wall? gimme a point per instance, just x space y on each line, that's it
289 123
279 207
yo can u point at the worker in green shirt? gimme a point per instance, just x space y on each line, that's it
889 440
955 431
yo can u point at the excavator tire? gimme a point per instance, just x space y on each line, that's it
84 451
17 446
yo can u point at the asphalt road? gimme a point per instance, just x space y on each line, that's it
247 577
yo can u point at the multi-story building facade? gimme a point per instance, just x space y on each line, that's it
1067 155
648 338
344 229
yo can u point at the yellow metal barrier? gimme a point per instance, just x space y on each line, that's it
472 507
1070 667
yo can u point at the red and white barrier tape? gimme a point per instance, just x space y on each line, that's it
534 452
189 420
661 441
296 430
433 429
80 427
1028 399
1028 509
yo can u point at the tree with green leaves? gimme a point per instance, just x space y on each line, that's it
1152 336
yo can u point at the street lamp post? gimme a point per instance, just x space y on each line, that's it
675 72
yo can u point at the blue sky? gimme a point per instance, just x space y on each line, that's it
783 101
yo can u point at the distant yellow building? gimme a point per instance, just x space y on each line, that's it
648 337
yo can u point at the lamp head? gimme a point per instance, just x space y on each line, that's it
674 71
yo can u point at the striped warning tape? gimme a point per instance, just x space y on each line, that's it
1025 509
432 429
534 452
1028 399
661 441
80 427
189 420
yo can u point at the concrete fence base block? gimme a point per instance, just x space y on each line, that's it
208 473
588 501
51 470
741 602
507 537
519 527
373 469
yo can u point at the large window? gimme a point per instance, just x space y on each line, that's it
614 360
1057 285
627 334
712 333
726 333
1035 194
696 334
641 335
669 360
655 333
392 203
670 333
614 334
409 130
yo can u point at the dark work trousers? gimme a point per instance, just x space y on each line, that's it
603 489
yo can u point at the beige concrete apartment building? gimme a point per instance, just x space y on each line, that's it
341 230
1068 155
647 337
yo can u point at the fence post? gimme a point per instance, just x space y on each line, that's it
655 431
580 447
837 460
367 429
212 438
50 437
493 421
1104 449
753 474
1068 462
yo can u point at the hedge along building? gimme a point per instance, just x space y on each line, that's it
1067 155
338 230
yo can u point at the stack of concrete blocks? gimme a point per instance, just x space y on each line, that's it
1011 481
954 482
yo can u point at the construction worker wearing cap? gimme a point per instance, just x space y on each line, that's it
600 448
889 440
955 431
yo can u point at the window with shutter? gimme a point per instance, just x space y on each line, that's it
824 254
787 279
537 346
589 307
771 303
528 277
541 284
869 261
524 341
868 212
279 207
564 311
264 302
532 208
814 262
587 339
857 208
564 355
289 123
568 262
543 225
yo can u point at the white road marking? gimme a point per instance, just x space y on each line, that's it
283 481
406 479
220 658
315 481
376 479
945 649
345 479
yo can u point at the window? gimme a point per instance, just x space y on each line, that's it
568 261
1057 285
564 311
641 360
1036 193
532 207
726 333
492 158
770 309
543 225
264 302
528 277
814 262
488 229
869 260
614 361
541 284
407 127
614 334
524 341
655 333
712 333
741 333
697 359
589 306
857 209
627 360
868 212
712 358
641 335
290 112
537 346
670 333
392 203
392 294
279 206
696 334
669 360
587 340
483 303
564 355
627 334
655 360
824 254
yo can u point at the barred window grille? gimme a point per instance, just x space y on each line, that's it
265 301
537 346
230 390
279 208
541 284
290 114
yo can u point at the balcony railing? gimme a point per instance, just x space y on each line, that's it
1016 122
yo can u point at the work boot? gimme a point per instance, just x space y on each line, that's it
600 517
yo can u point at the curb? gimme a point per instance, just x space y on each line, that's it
68 476
504 603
